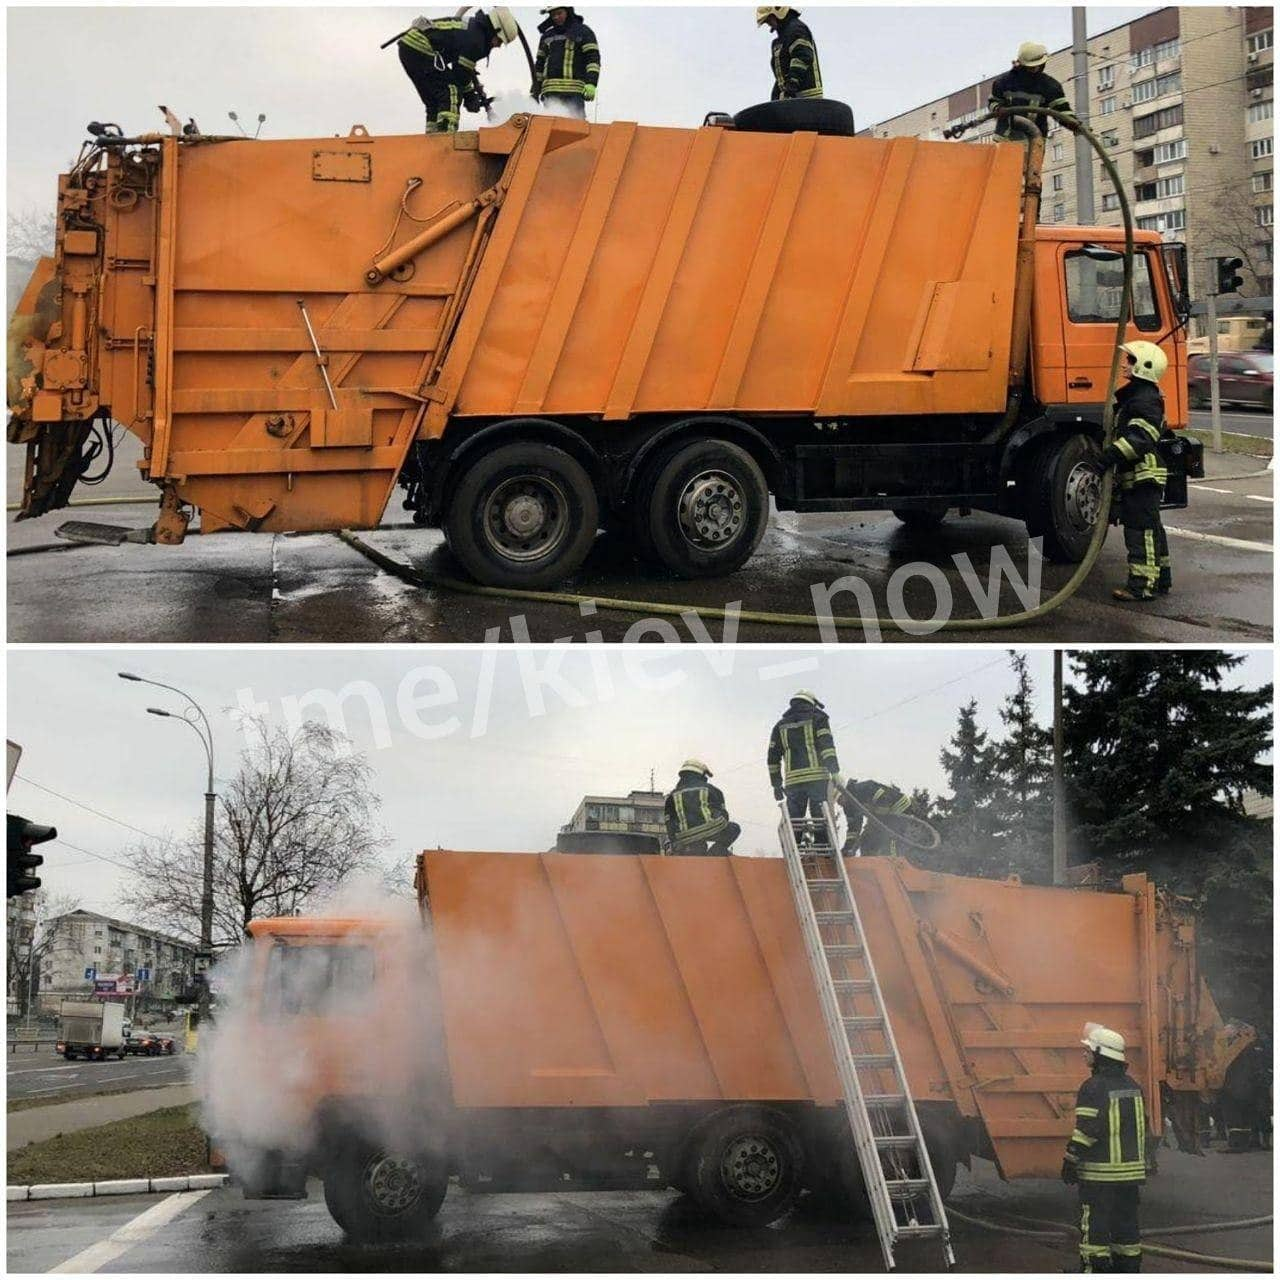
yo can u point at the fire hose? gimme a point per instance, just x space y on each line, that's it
1061 1232
419 578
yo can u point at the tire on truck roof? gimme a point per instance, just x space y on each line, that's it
798 115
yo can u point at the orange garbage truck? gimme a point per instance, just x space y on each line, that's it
547 327
564 1021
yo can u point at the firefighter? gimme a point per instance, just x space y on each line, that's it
796 73
697 820
440 54
1141 473
802 756
1106 1155
884 800
567 71
1027 85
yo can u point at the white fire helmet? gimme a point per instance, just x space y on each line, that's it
1149 362
504 24
695 766
1104 1041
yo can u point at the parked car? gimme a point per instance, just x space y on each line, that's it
150 1043
1244 377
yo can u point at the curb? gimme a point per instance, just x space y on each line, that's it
120 1187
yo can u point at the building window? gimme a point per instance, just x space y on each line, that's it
1261 147
1261 182
1174 186
1059 213
1057 151
1264 215
1107 107
97 951
1260 42
1143 58
1110 202
1166 49
1260 111
1174 220
1106 78
1110 138
1167 151
1157 88
1168 118
1057 182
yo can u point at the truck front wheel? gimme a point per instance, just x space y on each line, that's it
524 515
381 1197
708 509
745 1166
1064 501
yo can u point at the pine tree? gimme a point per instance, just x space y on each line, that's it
1160 756
1023 762
966 818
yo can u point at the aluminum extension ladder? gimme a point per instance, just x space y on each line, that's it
886 1131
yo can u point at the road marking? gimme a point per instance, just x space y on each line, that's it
1259 497
1220 541
30 1071
1207 488
136 1231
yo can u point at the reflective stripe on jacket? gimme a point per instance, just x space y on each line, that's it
1109 1142
795 57
1139 422
457 44
694 811
568 58
801 748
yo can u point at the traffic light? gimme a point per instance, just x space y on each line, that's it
1229 281
22 862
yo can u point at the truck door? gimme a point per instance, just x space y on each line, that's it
1092 279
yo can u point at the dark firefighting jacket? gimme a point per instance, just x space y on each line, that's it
1023 87
568 58
801 748
1109 1142
796 73
455 46
1139 421
884 800
695 810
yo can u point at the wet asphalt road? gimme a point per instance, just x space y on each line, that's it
610 1231
43 1074
311 588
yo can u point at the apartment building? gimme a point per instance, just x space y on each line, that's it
1183 101
639 812
83 940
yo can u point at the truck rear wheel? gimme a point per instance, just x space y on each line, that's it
1065 497
381 1197
708 509
524 515
745 1165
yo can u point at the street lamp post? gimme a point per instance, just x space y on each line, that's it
205 956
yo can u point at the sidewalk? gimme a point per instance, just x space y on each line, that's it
41 1123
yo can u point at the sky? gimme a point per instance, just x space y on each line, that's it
480 748
317 71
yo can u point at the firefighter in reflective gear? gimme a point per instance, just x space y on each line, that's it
1027 85
796 73
697 820
863 836
440 55
1106 1155
567 70
802 756
1140 473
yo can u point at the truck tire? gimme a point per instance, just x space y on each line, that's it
69 1055
1064 497
524 515
380 1198
708 509
798 115
745 1166
921 519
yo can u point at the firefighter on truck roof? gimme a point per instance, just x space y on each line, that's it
1106 1156
802 757
794 56
1025 84
567 68
697 820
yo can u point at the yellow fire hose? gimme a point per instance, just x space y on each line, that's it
419 578
1061 1233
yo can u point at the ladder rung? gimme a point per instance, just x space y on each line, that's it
917 1231
884 1099
834 917
896 1140
906 1184
825 883
872 1022
874 1059
843 948
855 985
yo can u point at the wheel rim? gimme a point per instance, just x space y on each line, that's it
1083 497
526 518
711 511
393 1183
750 1167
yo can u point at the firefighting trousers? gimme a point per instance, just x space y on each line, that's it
805 799
1109 1239
438 92
1145 542
566 104
719 845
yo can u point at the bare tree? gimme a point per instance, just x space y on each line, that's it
30 233
29 943
298 819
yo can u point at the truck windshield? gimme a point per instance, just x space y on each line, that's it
317 979
1096 282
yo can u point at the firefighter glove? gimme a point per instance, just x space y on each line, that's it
1069 1174
791 85
588 93
778 793
473 101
